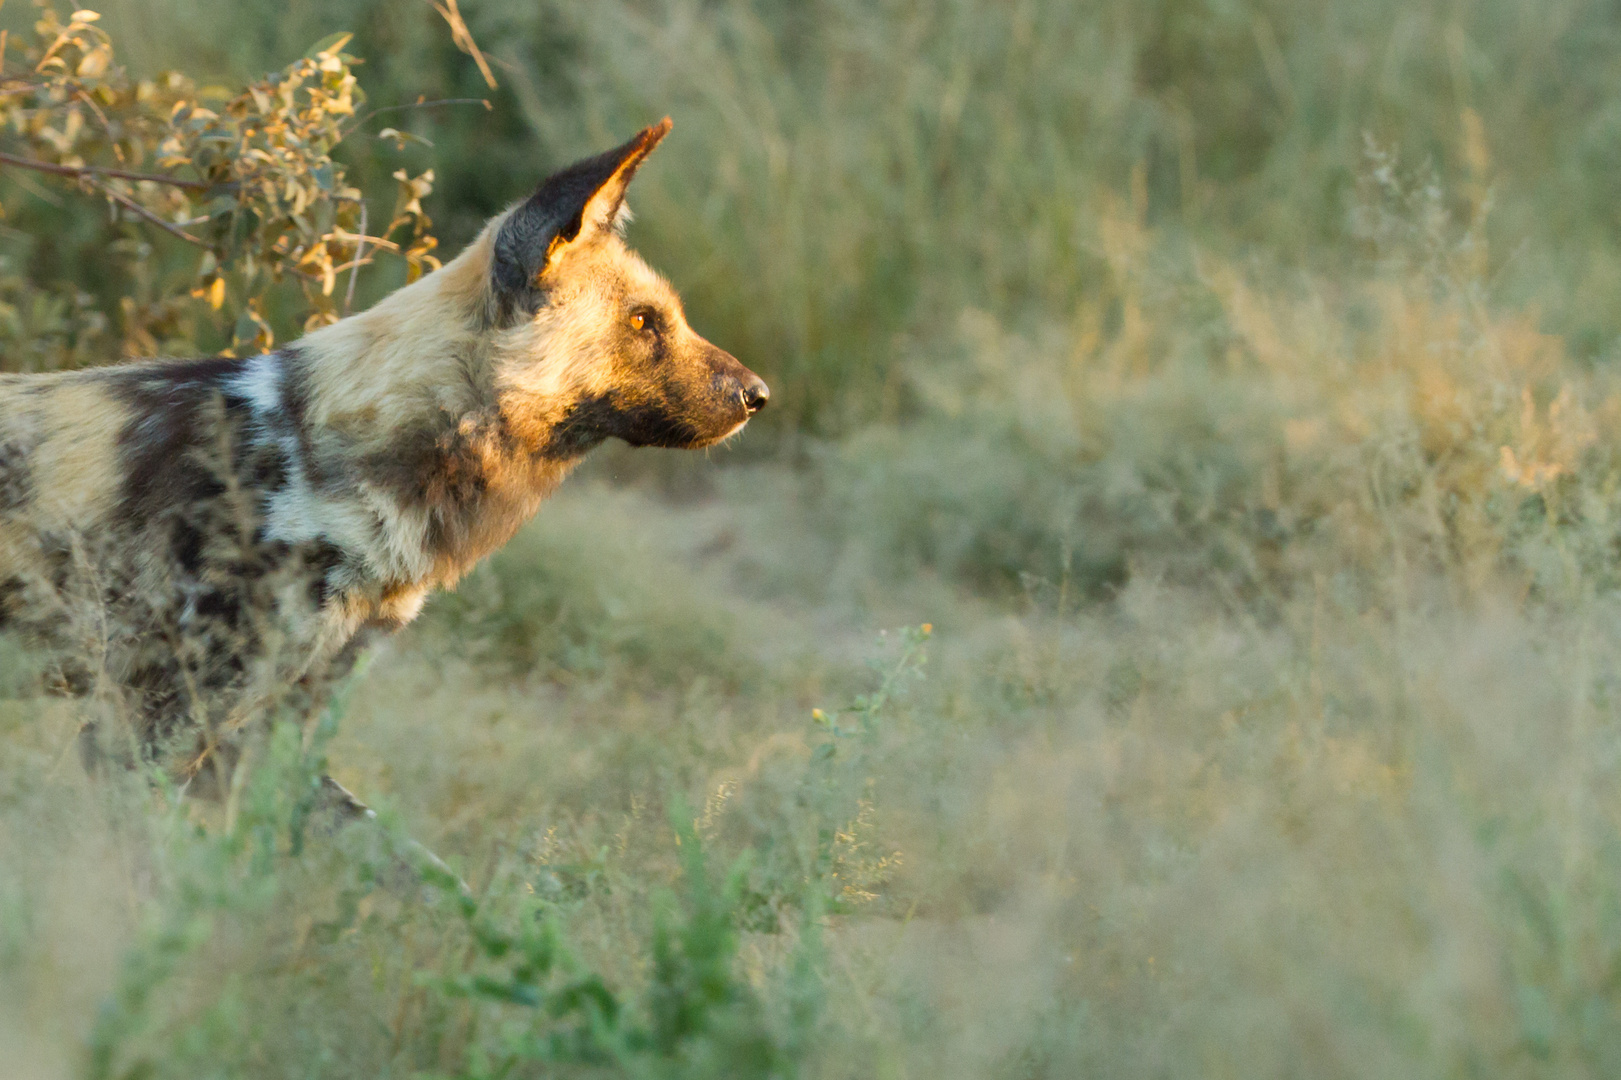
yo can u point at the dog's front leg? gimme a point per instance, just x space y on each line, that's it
337 808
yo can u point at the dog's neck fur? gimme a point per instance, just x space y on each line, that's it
434 473
420 350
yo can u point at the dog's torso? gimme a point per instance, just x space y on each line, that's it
185 535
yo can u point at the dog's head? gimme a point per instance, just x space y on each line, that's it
588 341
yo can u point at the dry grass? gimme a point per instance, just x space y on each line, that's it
1267 726
1291 751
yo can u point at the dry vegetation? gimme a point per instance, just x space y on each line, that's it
1217 403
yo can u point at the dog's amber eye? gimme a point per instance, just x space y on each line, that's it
638 321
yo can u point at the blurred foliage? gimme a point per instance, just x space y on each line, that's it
522 997
847 177
250 181
571 603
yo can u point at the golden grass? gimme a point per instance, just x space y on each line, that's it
1313 775
1268 719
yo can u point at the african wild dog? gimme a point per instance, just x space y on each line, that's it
201 538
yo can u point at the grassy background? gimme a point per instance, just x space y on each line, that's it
1230 386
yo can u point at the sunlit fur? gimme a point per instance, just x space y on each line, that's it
240 521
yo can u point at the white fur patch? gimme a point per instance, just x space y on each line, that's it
371 524
260 383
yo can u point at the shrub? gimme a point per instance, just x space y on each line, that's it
246 180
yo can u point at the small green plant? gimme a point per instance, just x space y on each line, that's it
695 1017
201 877
838 786
866 710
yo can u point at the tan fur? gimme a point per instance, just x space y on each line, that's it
72 427
417 347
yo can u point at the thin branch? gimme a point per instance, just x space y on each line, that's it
79 93
351 264
39 190
463 37
382 243
354 273
338 271
168 226
415 105
79 171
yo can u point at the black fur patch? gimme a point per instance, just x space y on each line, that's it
603 417
317 560
11 590
555 211
439 469
16 477
198 467
183 437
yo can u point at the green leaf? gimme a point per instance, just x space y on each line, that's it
400 138
327 44
502 990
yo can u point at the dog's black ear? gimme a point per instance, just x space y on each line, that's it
570 207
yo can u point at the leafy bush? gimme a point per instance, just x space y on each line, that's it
250 181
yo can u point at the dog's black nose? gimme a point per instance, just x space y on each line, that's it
755 394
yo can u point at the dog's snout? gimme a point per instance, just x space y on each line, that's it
755 394
737 384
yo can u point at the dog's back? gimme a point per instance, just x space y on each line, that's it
59 473
130 547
